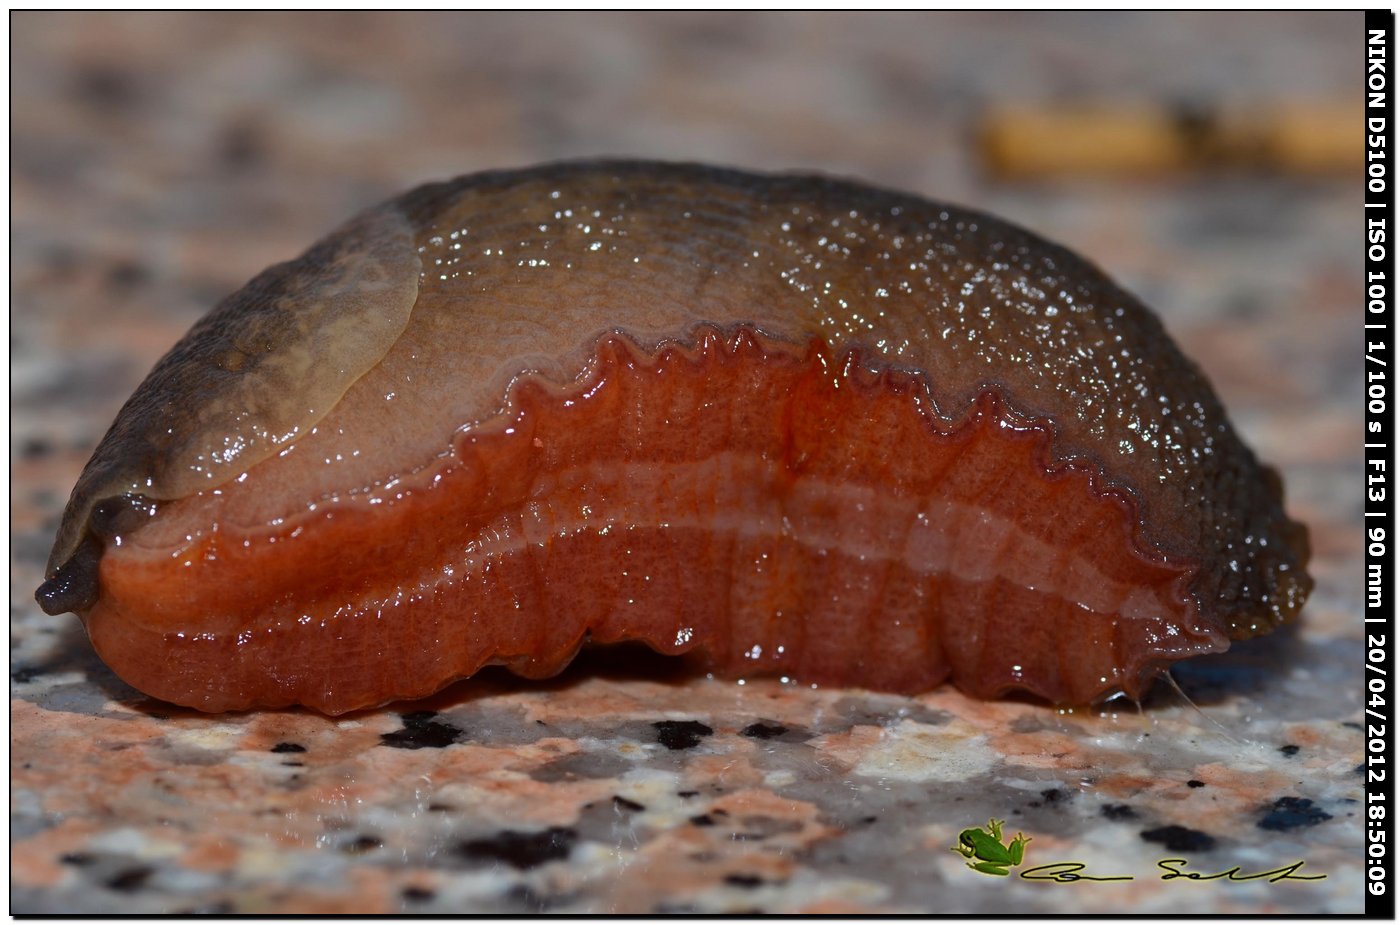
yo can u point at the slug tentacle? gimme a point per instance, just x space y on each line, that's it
784 425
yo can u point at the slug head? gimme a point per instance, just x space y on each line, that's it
251 376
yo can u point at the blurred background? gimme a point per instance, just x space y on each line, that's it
1210 162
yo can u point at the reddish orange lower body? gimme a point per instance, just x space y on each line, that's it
770 511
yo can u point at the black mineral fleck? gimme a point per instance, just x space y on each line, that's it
421 730
521 850
361 844
678 735
1050 797
283 748
763 730
1180 838
129 880
748 881
1117 812
1292 813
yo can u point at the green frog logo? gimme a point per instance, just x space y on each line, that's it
985 852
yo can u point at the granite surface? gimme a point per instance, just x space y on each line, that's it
160 160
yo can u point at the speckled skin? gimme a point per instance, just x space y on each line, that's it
968 300
521 272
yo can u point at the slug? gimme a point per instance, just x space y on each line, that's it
789 425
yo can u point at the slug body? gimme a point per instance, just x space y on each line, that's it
785 424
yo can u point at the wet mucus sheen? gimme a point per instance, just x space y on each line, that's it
787 425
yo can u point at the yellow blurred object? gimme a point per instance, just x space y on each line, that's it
1030 143
1315 139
